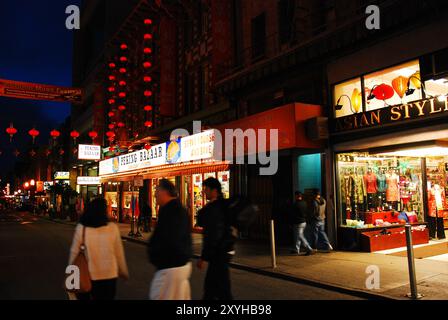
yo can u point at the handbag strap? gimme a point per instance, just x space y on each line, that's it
83 247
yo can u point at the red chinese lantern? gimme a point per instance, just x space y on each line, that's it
55 134
383 92
93 135
33 133
110 135
147 79
147 21
11 131
123 59
74 134
111 114
120 124
122 83
122 94
147 50
112 78
147 146
111 101
112 65
122 108
123 46
148 108
111 89
122 70
147 36
147 64
148 124
111 126
148 93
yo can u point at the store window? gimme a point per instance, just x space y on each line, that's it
348 98
390 86
437 88
379 190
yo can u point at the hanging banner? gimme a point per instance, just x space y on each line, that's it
198 146
37 91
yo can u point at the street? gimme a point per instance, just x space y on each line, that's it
34 254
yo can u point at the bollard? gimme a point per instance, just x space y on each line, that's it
411 265
273 257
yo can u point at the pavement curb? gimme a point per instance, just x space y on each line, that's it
277 274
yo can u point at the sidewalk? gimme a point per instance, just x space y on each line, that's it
341 271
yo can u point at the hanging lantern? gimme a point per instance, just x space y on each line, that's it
111 89
400 85
111 126
112 78
33 133
147 146
74 134
383 92
111 101
147 50
122 94
416 80
122 83
122 70
147 36
147 21
120 124
148 93
356 100
147 79
123 59
147 108
148 124
123 46
110 134
93 135
122 108
112 65
55 134
111 114
147 64
11 131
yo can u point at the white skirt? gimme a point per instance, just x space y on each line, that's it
171 284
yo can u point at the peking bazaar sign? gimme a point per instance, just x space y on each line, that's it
420 109
37 91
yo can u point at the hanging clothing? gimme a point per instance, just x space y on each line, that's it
347 188
392 194
436 201
371 182
360 189
381 182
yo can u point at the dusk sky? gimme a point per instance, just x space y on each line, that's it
35 47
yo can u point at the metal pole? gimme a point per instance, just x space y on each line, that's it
273 257
411 264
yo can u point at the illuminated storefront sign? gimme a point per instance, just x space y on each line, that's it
88 181
198 146
62 175
155 156
47 185
392 114
89 152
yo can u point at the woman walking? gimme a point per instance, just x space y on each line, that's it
103 249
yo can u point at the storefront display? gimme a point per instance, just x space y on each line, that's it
223 177
112 204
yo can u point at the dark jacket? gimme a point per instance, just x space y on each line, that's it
170 245
299 212
215 221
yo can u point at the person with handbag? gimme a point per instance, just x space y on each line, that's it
97 247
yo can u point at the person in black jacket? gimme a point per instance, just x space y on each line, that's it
170 247
217 247
299 217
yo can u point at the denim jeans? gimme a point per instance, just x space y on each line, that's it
299 237
319 235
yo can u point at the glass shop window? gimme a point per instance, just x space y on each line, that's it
393 86
379 190
347 97
437 87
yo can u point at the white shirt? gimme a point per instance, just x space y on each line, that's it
104 251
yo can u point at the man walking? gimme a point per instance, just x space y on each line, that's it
299 215
318 223
170 247
217 248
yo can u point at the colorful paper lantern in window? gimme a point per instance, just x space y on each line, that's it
400 85
356 100
11 131
383 92
416 80
33 133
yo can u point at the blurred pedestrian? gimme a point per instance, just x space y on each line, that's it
104 251
170 247
318 223
145 217
299 216
218 242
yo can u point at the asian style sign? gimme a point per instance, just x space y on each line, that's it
89 152
88 181
36 91
392 114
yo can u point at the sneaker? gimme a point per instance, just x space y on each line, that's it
309 252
